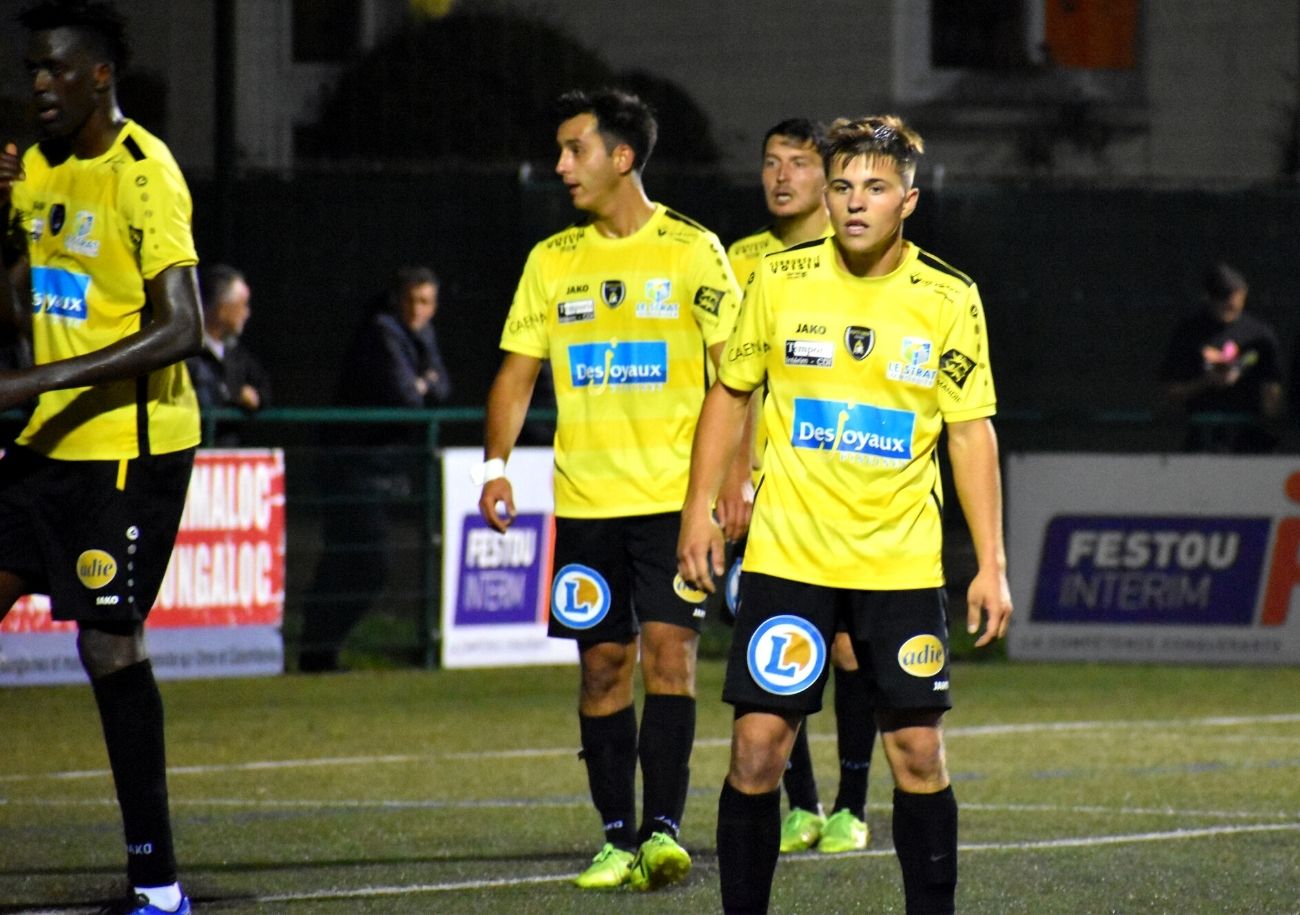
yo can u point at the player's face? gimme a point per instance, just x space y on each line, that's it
1229 308
868 200
66 81
793 179
589 171
234 311
418 305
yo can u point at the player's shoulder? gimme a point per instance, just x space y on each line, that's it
678 227
799 260
938 270
755 244
138 156
565 241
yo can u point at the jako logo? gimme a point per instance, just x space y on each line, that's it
786 655
579 596
600 365
827 425
921 656
95 568
686 592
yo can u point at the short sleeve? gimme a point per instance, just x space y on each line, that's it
965 379
715 295
154 201
526 331
743 365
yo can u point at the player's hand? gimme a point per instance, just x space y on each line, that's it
735 506
990 593
11 171
497 503
700 550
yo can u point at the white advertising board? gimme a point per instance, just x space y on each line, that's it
1179 558
496 587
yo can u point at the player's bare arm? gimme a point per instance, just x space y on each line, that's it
713 452
507 406
735 502
173 333
973 452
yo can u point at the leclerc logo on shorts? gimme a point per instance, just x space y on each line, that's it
921 656
579 596
786 655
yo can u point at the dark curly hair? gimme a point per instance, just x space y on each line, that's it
97 20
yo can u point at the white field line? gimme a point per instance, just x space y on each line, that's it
534 803
372 892
401 758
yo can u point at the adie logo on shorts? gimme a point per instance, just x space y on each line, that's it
95 568
921 656
579 596
686 592
786 655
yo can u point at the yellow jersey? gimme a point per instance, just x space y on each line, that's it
626 324
861 375
96 230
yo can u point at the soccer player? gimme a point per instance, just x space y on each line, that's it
794 188
869 348
98 241
625 305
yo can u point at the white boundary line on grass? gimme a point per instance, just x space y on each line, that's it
398 758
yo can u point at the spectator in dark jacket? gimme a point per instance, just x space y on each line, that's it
225 373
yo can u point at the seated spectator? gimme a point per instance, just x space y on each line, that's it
1223 363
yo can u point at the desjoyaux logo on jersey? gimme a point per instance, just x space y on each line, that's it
834 425
601 365
786 655
579 596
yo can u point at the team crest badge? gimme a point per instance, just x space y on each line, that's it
579 596
859 341
786 655
57 215
612 293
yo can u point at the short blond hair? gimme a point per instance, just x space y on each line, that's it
884 136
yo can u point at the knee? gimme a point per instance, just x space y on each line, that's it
759 754
106 648
607 672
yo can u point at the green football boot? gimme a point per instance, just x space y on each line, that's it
843 832
659 862
800 830
611 868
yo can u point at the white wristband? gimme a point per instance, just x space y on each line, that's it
493 469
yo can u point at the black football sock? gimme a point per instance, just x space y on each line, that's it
925 839
609 750
855 729
749 841
799 780
131 712
667 735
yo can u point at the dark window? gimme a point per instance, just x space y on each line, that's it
979 34
325 31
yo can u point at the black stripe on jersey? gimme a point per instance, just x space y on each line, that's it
673 214
131 146
931 261
142 390
804 244
934 491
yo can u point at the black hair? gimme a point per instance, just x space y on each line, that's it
621 117
406 277
97 20
1222 280
214 280
811 133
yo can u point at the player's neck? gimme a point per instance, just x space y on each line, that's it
627 210
99 132
879 262
795 230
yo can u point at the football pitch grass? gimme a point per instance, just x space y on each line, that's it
1083 788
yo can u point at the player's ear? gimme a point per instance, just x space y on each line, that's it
909 201
103 75
624 158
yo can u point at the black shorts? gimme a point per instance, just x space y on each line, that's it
780 650
96 536
612 574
